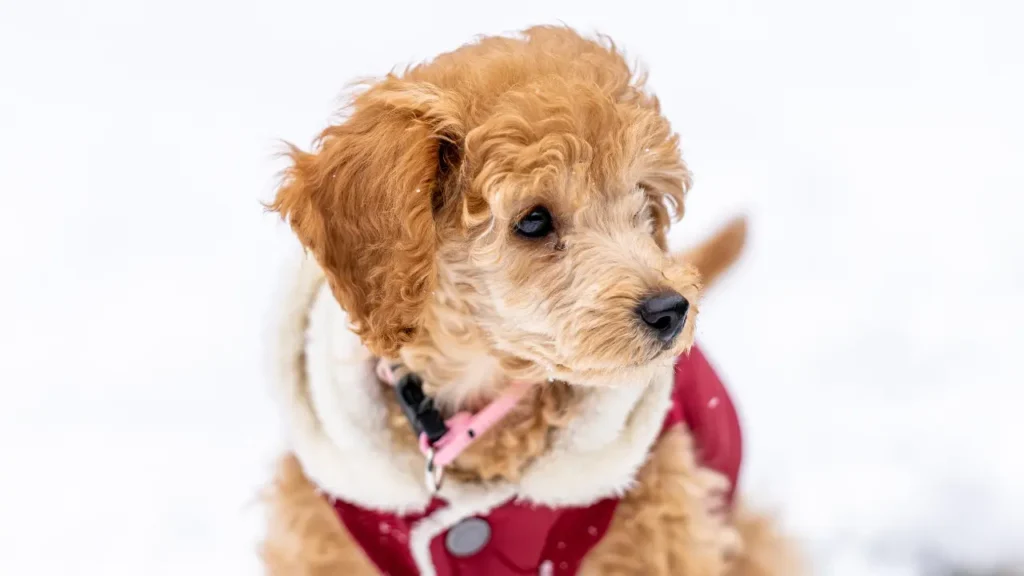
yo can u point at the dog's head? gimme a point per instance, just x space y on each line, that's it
510 199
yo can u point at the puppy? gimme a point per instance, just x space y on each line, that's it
487 233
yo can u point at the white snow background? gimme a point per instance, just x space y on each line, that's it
871 335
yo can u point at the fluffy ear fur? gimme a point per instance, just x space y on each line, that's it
363 203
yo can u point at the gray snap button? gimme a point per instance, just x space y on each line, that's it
467 537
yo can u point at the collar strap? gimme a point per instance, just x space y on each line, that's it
444 439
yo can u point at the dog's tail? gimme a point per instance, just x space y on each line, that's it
717 254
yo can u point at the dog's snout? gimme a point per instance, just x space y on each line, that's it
665 314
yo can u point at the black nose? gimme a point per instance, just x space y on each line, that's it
665 313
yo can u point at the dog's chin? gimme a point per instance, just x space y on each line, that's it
636 366
628 374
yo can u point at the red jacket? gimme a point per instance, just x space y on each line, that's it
520 538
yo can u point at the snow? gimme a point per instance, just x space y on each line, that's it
871 333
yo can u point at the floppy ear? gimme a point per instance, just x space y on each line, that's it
361 202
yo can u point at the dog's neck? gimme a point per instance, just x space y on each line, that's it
461 370
460 367
458 373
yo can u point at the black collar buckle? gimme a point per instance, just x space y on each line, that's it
419 408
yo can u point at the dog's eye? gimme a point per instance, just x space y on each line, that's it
535 224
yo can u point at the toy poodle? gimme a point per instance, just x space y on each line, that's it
485 359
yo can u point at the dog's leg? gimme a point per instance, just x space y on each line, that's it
765 551
671 522
304 536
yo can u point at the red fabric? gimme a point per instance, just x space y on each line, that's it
701 401
524 536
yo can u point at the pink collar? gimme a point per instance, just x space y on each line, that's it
463 427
